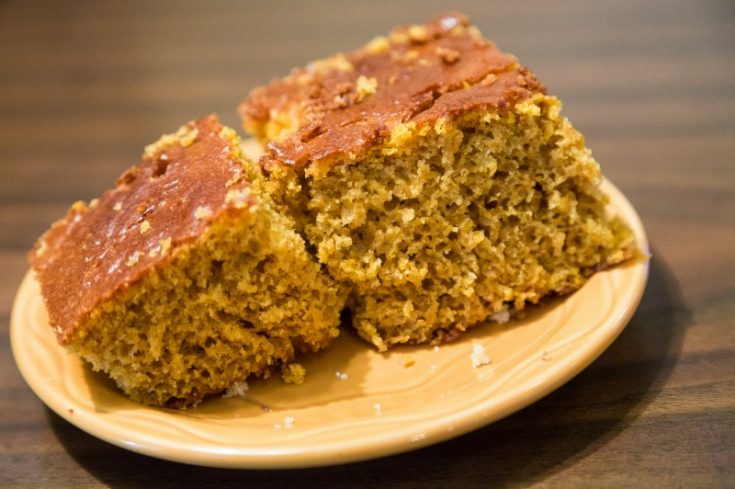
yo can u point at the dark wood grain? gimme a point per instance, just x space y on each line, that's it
85 85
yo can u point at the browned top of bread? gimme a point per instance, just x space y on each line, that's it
338 106
185 181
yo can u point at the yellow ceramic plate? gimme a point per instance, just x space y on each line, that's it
356 403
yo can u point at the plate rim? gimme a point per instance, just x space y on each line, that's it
335 453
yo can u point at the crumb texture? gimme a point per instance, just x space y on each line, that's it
239 302
425 181
448 191
154 208
229 292
466 220
340 106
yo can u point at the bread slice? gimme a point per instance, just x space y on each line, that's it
436 179
182 281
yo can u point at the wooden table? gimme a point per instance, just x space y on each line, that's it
84 86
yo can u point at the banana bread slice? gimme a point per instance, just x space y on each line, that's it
182 281
436 178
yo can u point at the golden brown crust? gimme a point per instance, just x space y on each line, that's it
183 183
339 106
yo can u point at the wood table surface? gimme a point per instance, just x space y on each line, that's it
85 85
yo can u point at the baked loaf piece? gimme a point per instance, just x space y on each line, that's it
182 281
436 179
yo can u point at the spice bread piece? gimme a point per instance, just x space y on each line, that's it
182 281
435 177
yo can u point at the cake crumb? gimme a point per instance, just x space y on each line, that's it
188 138
441 126
145 226
448 56
338 62
78 206
398 37
377 45
288 422
365 87
408 361
411 55
501 317
293 373
202 212
378 409
165 244
340 101
407 215
133 259
401 134
233 180
185 136
341 375
545 356
418 437
238 198
42 247
236 390
228 133
117 207
488 80
418 34
478 356
436 348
